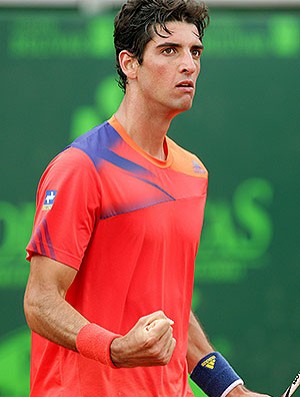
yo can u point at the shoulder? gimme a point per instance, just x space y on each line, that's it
185 161
70 160
82 157
97 142
70 168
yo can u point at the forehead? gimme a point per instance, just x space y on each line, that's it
179 32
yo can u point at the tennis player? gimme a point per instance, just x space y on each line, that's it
116 231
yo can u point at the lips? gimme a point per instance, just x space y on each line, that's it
185 84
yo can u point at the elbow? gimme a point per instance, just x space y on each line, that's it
31 311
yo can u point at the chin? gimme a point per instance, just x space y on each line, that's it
180 107
185 106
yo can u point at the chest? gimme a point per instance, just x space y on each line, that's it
125 191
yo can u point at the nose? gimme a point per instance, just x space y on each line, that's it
188 64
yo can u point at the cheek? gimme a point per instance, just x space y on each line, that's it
161 73
156 80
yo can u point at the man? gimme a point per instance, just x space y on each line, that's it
116 232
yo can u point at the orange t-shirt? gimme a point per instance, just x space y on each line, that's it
130 224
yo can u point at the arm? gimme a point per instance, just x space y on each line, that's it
46 310
199 346
150 342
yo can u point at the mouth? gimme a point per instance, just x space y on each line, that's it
187 85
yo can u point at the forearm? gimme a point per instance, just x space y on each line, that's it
46 310
198 343
53 318
216 380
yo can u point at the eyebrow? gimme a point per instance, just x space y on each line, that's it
170 44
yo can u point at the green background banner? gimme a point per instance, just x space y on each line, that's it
57 80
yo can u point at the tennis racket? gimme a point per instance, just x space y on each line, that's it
293 386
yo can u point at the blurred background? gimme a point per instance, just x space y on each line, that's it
57 80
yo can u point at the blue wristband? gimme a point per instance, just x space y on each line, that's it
215 376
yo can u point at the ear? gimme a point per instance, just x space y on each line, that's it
129 64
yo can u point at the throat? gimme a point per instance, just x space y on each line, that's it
159 152
148 133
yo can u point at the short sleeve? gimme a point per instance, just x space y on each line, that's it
68 205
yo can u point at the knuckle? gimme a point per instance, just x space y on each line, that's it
164 355
161 314
142 319
154 351
165 358
157 353
149 343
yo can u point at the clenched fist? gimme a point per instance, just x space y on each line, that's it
149 343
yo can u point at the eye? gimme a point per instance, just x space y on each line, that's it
169 51
196 53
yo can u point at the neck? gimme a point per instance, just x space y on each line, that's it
147 128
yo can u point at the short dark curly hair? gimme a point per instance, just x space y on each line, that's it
138 20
